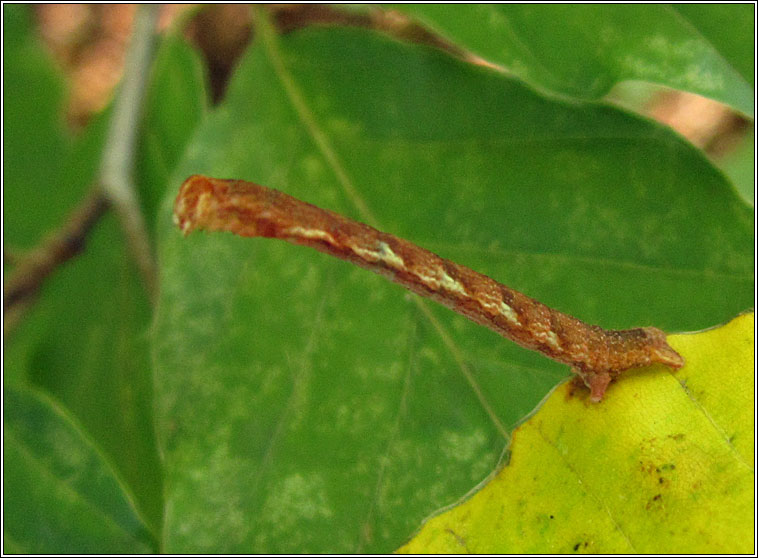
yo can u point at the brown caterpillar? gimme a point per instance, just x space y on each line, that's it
247 209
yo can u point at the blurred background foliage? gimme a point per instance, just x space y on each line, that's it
83 469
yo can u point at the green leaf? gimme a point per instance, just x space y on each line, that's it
664 465
583 50
739 166
305 405
35 141
60 496
176 102
85 340
730 28
89 349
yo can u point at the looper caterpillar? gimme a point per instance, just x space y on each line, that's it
595 354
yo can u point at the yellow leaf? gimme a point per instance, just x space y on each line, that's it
664 464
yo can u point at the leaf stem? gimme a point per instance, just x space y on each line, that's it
116 171
116 188
32 269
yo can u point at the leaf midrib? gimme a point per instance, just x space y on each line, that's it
320 138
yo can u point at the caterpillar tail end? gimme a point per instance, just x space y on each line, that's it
194 203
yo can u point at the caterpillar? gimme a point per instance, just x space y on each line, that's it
595 354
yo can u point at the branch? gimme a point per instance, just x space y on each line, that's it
60 246
116 179
116 188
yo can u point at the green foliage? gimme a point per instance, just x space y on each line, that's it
301 404
50 467
667 465
85 341
35 142
582 51
175 106
729 28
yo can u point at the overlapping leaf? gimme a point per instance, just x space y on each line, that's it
35 141
306 405
664 465
59 494
583 50
85 339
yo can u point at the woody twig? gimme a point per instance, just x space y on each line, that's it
115 187
32 269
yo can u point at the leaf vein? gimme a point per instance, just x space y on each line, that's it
305 115
587 491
